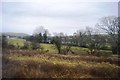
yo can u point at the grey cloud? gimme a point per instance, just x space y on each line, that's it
55 16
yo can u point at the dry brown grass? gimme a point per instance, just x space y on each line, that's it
110 59
22 64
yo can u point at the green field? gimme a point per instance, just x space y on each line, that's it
16 42
50 47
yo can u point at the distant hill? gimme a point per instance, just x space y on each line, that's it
12 34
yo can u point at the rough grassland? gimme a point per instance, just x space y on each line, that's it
32 64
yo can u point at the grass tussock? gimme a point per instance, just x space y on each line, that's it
34 65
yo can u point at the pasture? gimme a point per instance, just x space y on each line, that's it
52 49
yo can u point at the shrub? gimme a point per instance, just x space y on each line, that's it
67 49
4 42
26 45
35 45
31 45
10 46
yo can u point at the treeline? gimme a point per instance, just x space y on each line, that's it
38 38
90 38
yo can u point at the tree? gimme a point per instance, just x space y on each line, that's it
119 35
58 43
75 39
89 40
38 38
41 34
4 42
110 26
42 30
94 41
39 29
30 38
80 37
45 37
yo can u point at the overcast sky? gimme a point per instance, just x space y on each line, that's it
57 16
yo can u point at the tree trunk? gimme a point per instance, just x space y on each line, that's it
118 40
114 49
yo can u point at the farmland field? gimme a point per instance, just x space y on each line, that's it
19 63
51 47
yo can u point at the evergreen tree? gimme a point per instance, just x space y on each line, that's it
39 38
45 37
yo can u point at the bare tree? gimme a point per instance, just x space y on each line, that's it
110 26
89 40
94 41
39 29
57 42
42 30
75 39
80 37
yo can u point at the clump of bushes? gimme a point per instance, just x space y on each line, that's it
30 45
26 45
34 46
5 44
67 49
